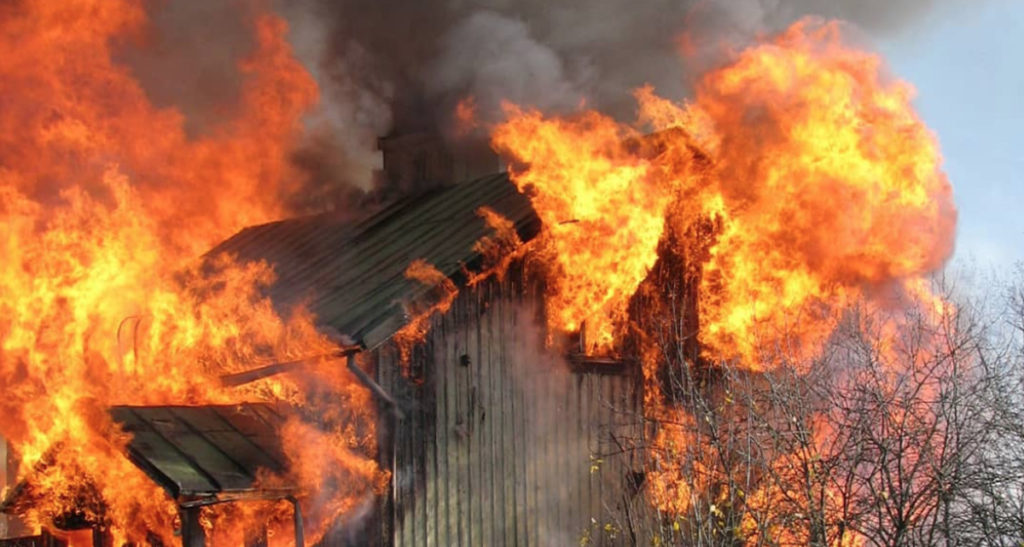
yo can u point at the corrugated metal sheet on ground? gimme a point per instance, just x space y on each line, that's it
203 451
352 274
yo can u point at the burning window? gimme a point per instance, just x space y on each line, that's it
586 357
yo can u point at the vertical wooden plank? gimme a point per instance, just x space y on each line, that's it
523 442
450 448
532 450
508 440
408 470
397 434
385 436
427 511
465 444
621 412
612 468
549 426
597 430
571 458
385 431
192 532
466 452
442 479
584 428
484 419
599 446
495 415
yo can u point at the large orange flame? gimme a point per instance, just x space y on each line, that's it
106 203
824 182
798 183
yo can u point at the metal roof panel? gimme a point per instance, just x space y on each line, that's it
351 274
204 450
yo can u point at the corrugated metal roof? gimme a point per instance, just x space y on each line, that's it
204 451
352 274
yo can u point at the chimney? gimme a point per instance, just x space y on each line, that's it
417 161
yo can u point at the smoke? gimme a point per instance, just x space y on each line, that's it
553 56
187 58
405 64
402 64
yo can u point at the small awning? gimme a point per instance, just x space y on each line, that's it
197 452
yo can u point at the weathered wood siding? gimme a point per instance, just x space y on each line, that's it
505 446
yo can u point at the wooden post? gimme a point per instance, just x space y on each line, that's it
300 533
3 483
192 533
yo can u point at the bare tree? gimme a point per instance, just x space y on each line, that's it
908 429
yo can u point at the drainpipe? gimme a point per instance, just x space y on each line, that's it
374 386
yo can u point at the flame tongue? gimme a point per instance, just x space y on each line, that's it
602 210
821 177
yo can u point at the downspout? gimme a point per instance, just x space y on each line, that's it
373 386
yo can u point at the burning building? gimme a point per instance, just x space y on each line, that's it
478 363
491 437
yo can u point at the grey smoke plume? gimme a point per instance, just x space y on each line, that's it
422 56
405 64
384 64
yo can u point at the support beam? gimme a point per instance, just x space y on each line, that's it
192 533
252 375
300 533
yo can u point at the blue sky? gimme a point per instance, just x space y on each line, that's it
967 62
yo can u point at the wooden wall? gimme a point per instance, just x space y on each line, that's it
504 444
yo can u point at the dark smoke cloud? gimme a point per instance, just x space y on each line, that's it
421 56
383 64
405 63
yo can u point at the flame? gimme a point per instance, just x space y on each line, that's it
601 209
106 203
824 182
796 185
441 295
